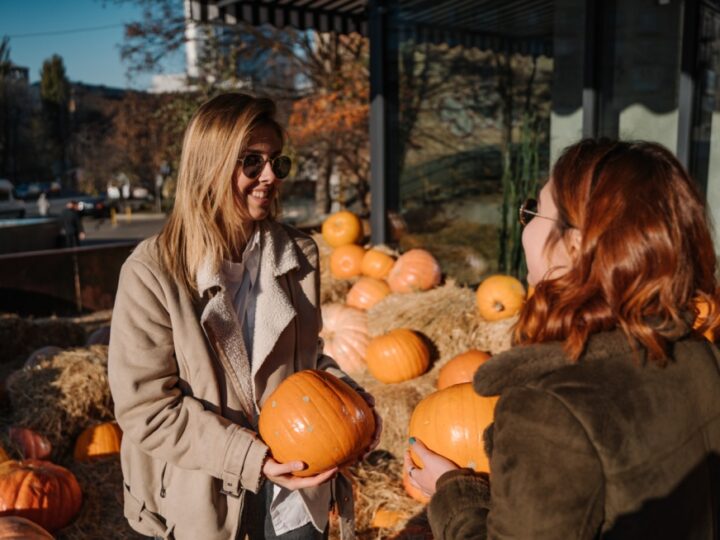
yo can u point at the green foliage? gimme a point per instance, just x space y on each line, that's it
520 180
54 84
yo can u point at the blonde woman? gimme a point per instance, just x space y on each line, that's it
210 316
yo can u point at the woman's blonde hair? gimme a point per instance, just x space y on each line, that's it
210 220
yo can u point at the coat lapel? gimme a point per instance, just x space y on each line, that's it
220 323
273 309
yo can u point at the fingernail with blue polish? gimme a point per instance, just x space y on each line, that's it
412 440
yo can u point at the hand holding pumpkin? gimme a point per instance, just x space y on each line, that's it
434 466
281 474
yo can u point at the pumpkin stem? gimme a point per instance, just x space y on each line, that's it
498 306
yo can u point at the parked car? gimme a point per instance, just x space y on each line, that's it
10 207
88 205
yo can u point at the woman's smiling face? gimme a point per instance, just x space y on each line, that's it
257 194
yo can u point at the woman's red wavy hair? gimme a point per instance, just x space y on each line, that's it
645 257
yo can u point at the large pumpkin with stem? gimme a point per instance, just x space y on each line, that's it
499 297
345 336
366 292
40 491
399 355
461 368
415 270
98 441
316 418
376 264
31 444
451 423
342 228
346 261
19 528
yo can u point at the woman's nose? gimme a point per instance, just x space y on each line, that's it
267 174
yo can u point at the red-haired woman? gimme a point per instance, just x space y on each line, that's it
608 423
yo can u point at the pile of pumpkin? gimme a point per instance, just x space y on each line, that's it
450 418
37 496
59 442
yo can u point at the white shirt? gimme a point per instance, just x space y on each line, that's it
288 510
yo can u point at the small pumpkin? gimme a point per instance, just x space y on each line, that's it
366 292
20 528
346 261
415 270
461 368
98 441
31 444
41 491
345 336
376 264
314 417
399 355
499 297
385 518
341 228
451 423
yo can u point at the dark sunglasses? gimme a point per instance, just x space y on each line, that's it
253 165
528 210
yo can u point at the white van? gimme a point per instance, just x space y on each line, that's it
10 207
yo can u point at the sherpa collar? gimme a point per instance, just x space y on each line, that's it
528 362
278 256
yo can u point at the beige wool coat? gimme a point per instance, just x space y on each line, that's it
189 450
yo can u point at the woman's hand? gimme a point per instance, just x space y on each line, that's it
280 474
434 467
370 400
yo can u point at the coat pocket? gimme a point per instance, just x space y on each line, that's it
142 519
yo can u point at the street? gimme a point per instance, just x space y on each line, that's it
135 227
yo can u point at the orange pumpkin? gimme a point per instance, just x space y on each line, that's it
376 264
366 292
703 310
415 493
314 417
416 270
346 261
388 519
98 441
399 355
345 335
451 423
40 491
499 297
19 528
461 368
32 445
341 228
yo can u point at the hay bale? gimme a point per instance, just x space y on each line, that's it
20 336
378 485
62 395
446 314
101 515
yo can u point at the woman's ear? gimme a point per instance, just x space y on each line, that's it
573 241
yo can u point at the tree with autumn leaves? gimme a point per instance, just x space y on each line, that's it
329 125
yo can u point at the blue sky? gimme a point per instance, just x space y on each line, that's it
90 56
